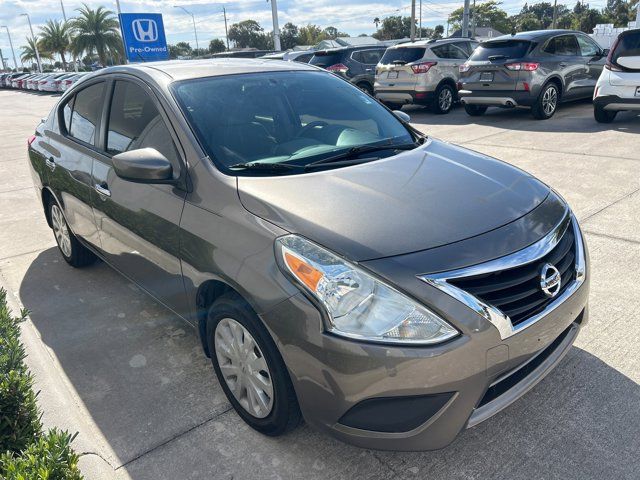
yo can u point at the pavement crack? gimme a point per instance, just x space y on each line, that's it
613 237
217 414
615 202
83 454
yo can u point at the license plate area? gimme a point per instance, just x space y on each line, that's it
392 75
486 76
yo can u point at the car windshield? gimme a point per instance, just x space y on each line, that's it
501 49
402 55
288 119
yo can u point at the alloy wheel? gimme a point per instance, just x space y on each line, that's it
550 100
61 230
244 367
445 99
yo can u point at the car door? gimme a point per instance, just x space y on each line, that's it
71 148
594 59
566 59
138 223
450 57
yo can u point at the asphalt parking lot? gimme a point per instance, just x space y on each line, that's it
132 379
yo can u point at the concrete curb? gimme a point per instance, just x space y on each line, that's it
61 405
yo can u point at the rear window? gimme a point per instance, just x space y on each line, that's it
323 59
402 55
628 46
502 49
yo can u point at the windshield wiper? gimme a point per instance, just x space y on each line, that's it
355 151
266 166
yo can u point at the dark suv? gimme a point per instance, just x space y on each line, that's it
356 64
532 69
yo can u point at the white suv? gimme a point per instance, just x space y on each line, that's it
424 73
618 88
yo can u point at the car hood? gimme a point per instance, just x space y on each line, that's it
420 199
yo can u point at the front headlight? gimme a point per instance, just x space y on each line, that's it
359 305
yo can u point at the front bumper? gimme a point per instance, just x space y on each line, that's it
500 98
614 103
419 398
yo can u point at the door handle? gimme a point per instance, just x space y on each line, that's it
102 189
49 162
562 65
368 69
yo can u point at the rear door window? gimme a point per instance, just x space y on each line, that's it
371 57
501 49
135 122
402 55
564 45
87 108
451 51
628 46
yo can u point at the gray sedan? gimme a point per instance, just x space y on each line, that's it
340 267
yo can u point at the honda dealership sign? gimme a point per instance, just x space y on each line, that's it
143 35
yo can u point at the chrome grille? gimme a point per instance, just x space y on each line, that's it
516 291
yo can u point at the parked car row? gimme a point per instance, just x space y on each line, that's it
537 70
43 82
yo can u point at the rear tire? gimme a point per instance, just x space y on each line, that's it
365 87
475 110
73 252
603 116
444 99
547 102
264 397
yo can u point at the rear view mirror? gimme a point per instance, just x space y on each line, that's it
145 165
402 116
605 52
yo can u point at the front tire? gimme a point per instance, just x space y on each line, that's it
547 102
603 116
475 110
74 253
444 98
249 367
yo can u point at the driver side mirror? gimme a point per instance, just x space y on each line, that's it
402 116
145 165
605 52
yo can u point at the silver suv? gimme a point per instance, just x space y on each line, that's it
424 73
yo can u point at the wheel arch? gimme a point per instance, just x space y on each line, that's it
452 83
47 196
558 81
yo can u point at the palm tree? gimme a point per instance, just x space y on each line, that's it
96 30
55 39
376 21
29 51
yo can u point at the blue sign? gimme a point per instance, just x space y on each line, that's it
143 35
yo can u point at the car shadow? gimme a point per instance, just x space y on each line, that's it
570 117
140 373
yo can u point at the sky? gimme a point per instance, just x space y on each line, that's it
351 16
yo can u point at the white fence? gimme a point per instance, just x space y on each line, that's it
605 33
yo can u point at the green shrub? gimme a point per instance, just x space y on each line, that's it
29 454
49 458
19 414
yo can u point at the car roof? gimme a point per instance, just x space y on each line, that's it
214 67
352 48
532 35
432 43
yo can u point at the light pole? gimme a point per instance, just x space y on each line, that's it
276 28
193 18
64 15
226 32
11 45
35 41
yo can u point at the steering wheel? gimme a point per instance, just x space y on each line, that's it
310 125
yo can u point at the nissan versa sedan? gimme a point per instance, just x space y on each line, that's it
389 288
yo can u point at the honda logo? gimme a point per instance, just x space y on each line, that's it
145 30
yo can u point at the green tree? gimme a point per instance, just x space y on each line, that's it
394 27
97 31
29 51
620 12
487 14
438 31
310 35
216 45
249 34
54 38
332 33
289 36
